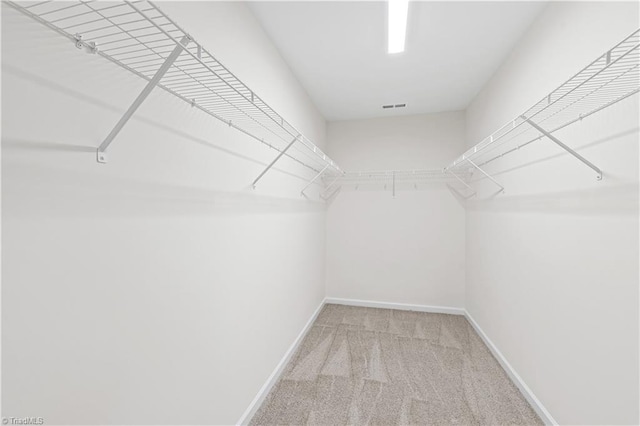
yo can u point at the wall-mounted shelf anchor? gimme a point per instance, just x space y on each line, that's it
91 46
78 38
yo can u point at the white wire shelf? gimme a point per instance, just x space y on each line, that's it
139 37
386 176
398 179
612 77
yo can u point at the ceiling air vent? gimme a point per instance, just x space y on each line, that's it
390 106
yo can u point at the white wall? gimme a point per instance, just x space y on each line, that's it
552 265
140 292
407 249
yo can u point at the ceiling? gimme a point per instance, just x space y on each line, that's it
338 51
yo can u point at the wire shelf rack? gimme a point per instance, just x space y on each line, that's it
387 176
139 37
398 179
612 77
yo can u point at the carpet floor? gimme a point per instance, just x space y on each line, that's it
369 366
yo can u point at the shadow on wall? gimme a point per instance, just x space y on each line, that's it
29 190
59 146
618 197
27 145
609 138
619 200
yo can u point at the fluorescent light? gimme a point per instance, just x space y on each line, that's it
397 24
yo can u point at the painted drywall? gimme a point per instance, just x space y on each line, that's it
140 291
404 249
552 264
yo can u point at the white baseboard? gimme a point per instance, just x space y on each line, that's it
535 403
275 375
400 306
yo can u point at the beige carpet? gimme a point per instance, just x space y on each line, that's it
362 366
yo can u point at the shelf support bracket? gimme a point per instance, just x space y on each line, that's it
486 174
565 147
333 193
314 179
101 154
328 187
393 190
333 181
464 183
253 184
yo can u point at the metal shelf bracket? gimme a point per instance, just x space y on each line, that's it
486 174
280 154
393 190
331 194
466 197
565 147
101 155
314 179
328 188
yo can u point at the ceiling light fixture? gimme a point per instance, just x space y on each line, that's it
397 24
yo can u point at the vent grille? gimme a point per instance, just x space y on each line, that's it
391 106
